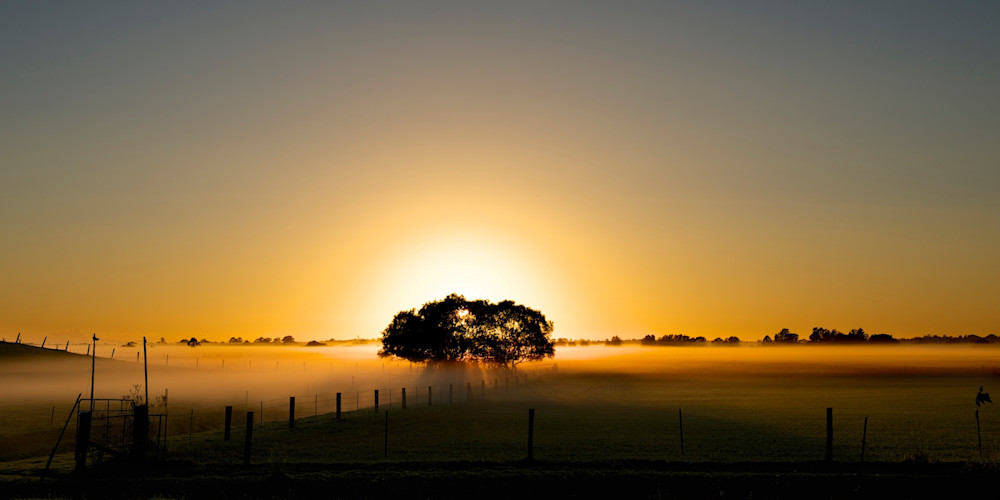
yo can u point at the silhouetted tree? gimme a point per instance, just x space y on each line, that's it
649 340
767 339
235 340
882 338
287 339
785 336
454 329
615 341
193 342
819 335
857 336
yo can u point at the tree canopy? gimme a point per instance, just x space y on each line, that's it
454 329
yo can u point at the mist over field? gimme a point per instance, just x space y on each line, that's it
790 360
219 373
745 402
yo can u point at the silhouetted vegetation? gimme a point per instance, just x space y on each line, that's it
961 339
564 342
819 335
651 340
455 329
786 337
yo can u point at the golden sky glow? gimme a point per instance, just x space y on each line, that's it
219 170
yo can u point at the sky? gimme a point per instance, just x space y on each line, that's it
218 169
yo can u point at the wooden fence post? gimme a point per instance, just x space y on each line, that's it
979 432
531 434
829 434
82 440
338 406
680 421
291 412
140 431
229 423
403 392
376 400
248 440
483 387
430 394
864 436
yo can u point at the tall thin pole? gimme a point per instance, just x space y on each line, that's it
680 423
979 432
93 366
145 370
829 434
864 438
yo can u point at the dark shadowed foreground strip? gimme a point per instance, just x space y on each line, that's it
640 479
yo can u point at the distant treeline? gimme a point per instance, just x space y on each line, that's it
286 340
819 335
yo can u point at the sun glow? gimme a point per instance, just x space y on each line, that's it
420 268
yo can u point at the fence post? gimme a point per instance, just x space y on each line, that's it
229 423
140 431
338 406
864 436
680 421
403 391
376 400
829 434
531 434
979 432
248 441
429 396
82 440
291 412
483 387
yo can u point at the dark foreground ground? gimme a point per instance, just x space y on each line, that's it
518 480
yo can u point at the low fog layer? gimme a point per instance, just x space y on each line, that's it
757 359
241 373
220 374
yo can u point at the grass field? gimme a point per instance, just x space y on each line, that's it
603 413
758 405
